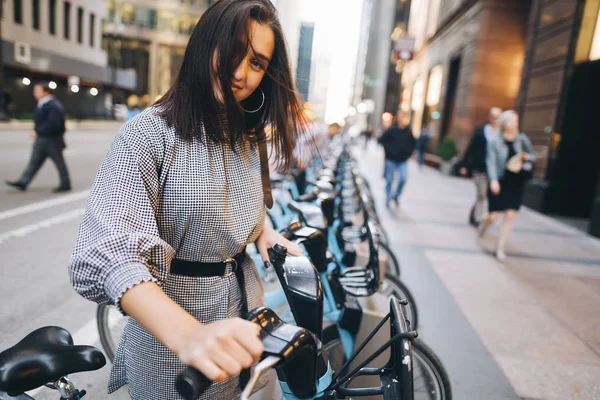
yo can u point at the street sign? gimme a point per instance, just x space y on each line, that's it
22 53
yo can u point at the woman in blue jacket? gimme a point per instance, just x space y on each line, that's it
508 156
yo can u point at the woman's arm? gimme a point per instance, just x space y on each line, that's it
218 350
528 147
120 259
491 160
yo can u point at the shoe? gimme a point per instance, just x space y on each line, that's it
500 255
61 189
17 185
472 221
396 201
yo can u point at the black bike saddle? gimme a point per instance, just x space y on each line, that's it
45 355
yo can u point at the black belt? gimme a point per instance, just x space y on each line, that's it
212 269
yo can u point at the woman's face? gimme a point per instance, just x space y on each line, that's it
251 70
511 124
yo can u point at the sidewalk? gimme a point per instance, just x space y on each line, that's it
538 314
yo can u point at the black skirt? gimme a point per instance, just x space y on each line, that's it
511 193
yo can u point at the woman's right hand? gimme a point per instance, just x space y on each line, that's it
221 349
495 187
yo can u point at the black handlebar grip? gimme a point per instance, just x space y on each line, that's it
191 383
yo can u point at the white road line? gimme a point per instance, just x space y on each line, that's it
44 204
47 223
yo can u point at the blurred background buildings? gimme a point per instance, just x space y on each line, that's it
446 62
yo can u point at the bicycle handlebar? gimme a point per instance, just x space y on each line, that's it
285 345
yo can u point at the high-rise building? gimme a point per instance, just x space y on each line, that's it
60 42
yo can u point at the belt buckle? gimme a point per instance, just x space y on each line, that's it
235 266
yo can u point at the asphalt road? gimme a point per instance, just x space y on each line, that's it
37 233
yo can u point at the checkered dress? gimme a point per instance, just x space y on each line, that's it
157 197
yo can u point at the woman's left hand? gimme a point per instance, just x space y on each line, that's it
269 238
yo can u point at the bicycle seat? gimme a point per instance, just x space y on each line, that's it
45 355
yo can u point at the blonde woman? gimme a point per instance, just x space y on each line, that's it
505 156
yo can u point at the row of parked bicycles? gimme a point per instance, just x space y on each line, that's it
314 323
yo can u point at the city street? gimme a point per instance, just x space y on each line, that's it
37 233
526 329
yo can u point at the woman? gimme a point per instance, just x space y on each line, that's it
177 199
505 191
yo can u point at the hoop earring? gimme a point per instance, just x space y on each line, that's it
259 107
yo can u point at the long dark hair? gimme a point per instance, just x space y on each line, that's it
218 44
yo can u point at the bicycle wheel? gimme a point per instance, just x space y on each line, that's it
392 286
383 236
393 266
430 379
110 326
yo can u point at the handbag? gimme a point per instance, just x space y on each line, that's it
524 168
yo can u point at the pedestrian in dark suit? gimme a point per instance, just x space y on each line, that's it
474 160
48 133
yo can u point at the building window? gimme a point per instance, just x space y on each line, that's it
52 16
146 17
92 29
67 20
595 50
35 11
79 25
434 88
127 13
18 11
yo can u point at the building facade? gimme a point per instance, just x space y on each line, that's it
539 57
60 42
149 37
469 57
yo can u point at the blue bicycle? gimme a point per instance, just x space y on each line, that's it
411 372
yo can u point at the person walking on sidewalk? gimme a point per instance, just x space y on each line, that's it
422 143
474 159
49 139
398 144
507 157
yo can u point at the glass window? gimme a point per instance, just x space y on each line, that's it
153 19
92 29
186 24
127 12
146 17
67 19
52 16
595 50
79 25
167 21
35 14
112 10
18 11
434 89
